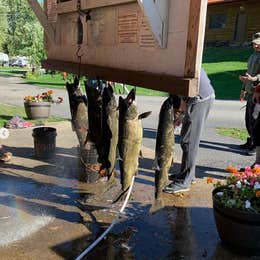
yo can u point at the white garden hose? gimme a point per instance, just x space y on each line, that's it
87 250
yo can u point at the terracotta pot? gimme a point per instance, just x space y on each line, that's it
237 228
37 110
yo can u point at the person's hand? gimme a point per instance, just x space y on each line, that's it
247 77
256 98
243 78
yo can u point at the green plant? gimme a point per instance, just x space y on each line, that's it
44 97
241 190
238 133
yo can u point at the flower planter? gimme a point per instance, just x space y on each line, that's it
237 228
37 110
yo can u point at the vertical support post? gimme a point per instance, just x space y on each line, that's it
42 17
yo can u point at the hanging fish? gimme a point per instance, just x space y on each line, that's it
130 139
164 143
110 129
79 111
94 95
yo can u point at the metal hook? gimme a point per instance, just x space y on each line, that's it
79 57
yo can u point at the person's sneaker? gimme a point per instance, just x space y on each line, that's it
251 151
193 181
174 178
175 188
246 145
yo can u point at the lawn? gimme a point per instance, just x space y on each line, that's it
8 111
238 133
223 65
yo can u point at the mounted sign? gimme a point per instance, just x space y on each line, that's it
155 44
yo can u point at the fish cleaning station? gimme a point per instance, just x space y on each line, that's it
99 193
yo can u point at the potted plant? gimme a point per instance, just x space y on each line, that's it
236 206
38 106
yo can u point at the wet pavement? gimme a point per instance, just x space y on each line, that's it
47 213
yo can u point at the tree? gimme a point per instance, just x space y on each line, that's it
25 35
3 25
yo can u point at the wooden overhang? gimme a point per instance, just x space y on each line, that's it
177 74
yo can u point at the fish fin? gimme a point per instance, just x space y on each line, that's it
141 154
120 196
144 115
172 162
156 166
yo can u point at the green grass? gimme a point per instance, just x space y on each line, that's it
11 71
7 112
238 133
223 66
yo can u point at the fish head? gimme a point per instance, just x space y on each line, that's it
73 87
127 106
175 101
93 94
108 97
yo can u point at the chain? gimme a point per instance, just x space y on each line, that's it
79 5
80 36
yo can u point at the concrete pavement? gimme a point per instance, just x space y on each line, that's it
42 216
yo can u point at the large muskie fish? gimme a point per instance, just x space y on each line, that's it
79 111
95 116
164 143
130 138
110 129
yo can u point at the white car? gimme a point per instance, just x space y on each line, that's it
20 63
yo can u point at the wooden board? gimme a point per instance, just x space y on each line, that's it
122 37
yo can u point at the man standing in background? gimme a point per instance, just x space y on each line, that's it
252 74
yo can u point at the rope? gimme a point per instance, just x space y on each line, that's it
80 35
118 216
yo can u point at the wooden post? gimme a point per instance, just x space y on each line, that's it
42 17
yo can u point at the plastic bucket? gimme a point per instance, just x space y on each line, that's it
44 141
90 164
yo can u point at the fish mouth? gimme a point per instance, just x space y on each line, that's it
131 96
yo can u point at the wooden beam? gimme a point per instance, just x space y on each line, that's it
42 17
91 4
193 37
167 83
71 6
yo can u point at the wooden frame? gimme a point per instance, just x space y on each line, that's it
134 78
130 54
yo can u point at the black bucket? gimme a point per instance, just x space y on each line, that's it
44 141
89 162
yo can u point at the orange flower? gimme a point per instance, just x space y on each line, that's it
257 169
231 169
257 194
209 180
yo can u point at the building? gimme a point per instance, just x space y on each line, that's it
232 21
